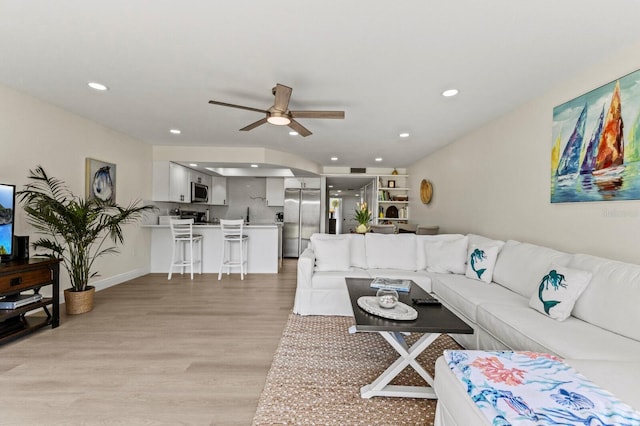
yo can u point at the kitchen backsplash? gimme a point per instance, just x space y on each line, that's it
242 192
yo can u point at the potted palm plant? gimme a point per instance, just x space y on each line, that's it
77 231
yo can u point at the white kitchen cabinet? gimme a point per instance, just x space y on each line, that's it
275 192
198 177
218 191
171 182
302 182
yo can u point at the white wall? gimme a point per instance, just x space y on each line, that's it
496 180
36 133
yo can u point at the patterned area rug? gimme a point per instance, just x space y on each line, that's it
319 368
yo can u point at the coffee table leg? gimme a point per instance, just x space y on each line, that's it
408 355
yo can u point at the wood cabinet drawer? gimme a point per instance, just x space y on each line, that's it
26 279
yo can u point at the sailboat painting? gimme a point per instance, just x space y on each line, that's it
595 151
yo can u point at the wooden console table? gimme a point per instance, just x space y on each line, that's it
31 274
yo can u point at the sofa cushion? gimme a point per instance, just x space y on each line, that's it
358 251
520 328
391 251
357 255
419 277
481 261
520 266
558 291
332 254
421 257
611 299
335 279
445 256
479 240
621 378
465 294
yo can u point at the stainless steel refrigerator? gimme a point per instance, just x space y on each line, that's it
301 219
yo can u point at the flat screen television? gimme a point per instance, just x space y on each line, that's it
7 219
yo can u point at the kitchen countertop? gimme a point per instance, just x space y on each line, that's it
217 225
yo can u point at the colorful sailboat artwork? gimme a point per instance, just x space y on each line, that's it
607 165
570 161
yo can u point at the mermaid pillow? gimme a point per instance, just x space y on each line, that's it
481 261
558 291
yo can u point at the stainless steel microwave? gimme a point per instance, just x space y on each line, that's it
199 193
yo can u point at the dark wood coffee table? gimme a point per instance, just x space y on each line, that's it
432 321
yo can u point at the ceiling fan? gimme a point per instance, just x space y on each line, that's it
279 113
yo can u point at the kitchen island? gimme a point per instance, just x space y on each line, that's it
264 248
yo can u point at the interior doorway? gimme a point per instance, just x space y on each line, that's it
348 192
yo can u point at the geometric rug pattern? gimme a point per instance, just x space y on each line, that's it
319 368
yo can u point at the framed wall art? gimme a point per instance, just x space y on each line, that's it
595 152
100 180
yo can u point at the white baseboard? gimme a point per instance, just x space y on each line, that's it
111 281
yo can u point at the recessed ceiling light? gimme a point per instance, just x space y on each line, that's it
193 164
292 133
450 92
97 86
254 165
175 131
404 135
379 159
334 158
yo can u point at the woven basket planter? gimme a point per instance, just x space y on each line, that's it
79 302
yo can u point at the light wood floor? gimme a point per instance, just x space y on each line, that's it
152 352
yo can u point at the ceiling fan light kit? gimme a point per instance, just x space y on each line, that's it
279 113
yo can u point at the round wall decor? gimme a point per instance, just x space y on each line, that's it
426 191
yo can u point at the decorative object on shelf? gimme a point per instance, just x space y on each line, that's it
387 298
363 217
391 184
100 178
76 228
426 191
392 212
400 312
394 172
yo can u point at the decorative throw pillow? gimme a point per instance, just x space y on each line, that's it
481 261
558 291
332 255
446 256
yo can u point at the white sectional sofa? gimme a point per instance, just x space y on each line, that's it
601 337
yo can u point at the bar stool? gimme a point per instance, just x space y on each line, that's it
183 237
232 233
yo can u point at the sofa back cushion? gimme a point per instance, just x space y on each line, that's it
611 299
332 254
356 256
521 265
391 251
446 256
421 240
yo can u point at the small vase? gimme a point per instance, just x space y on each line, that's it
79 302
362 228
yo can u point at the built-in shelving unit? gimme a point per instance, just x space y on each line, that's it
393 199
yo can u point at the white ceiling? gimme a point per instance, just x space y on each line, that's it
384 63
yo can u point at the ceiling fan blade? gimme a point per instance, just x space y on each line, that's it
283 95
254 125
237 106
317 114
302 131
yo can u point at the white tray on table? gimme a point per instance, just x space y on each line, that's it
400 312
